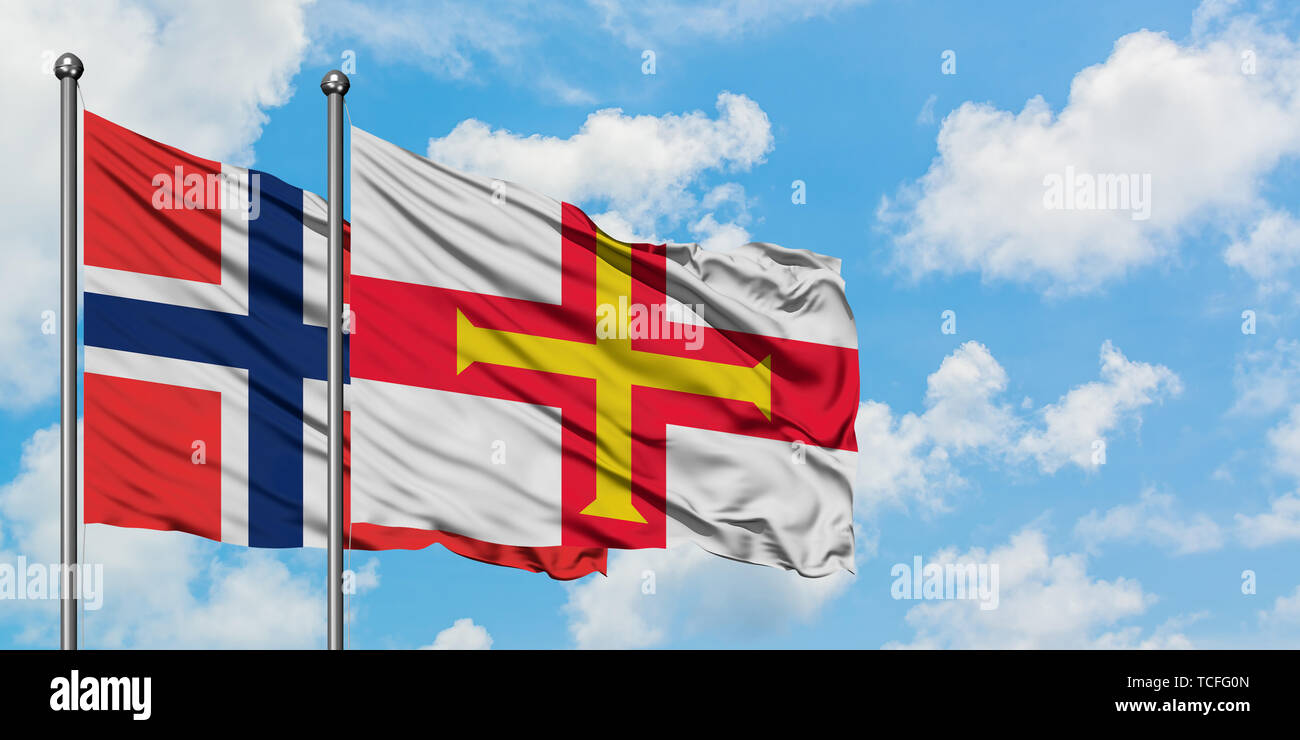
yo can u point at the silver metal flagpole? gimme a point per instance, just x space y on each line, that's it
335 85
68 69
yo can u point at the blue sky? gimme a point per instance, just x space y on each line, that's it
975 445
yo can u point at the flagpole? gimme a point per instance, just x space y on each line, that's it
335 85
68 69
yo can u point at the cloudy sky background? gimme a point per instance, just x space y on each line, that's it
978 446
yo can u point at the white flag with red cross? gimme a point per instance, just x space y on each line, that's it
520 377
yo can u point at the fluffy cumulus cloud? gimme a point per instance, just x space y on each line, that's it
1153 519
1281 523
142 63
910 458
1163 111
647 170
1268 252
1045 601
254 601
1087 413
898 463
159 589
652 597
463 634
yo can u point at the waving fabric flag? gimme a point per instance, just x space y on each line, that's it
521 377
205 356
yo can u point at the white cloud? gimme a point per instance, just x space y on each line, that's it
898 462
160 589
565 92
199 77
1267 381
645 168
1284 439
30 284
614 224
1168 635
1091 411
960 411
1151 519
1280 523
1269 252
366 578
910 458
720 236
256 601
1153 107
463 634
926 116
1046 601
674 22
446 38
458 39
1285 611
728 234
691 593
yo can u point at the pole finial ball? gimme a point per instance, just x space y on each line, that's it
335 81
68 65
